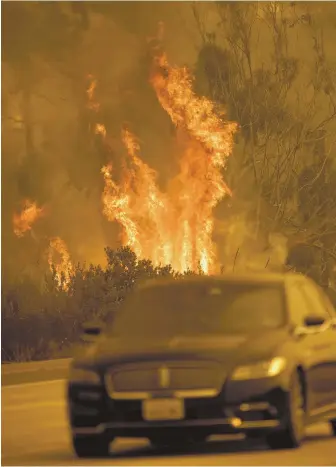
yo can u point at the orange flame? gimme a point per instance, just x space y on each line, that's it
173 88
100 129
59 261
174 227
92 104
200 179
23 221
139 206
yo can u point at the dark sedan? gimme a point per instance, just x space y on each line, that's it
184 359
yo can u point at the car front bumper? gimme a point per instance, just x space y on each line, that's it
242 407
207 426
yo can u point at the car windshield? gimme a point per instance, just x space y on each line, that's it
194 308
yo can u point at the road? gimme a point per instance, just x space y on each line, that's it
34 432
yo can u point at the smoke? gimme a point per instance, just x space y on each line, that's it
243 248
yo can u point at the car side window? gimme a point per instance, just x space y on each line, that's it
317 306
299 308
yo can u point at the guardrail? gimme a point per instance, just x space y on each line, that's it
20 373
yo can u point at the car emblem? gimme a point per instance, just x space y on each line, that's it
164 377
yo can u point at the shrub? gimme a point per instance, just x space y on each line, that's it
43 323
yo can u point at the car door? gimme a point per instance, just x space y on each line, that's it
305 343
330 308
323 342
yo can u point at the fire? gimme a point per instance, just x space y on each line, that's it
59 261
100 129
116 203
58 256
92 104
23 221
139 206
209 143
174 227
195 114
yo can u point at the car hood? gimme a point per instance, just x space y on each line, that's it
229 350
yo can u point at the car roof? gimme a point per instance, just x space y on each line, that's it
236 278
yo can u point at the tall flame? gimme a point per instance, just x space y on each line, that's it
201 184
59 261
174 227
23 221
139 206
173 88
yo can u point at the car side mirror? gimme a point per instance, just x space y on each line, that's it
91 330
314 321
308 327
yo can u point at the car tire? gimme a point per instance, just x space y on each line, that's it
333 426
91 446
292 435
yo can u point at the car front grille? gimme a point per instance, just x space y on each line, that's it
168 376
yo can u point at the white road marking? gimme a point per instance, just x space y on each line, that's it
34 405
36 383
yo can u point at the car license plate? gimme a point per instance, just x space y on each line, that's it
163 409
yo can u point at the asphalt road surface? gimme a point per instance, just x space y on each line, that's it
35 432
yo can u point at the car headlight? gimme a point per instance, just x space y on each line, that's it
265 369
80 375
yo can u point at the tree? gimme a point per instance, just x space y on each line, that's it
285 150
36 36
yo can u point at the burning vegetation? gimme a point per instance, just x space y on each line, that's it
59 262
168 227
58 255
23 221
173 227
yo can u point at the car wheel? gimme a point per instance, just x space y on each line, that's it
292 435
333 426
91 446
